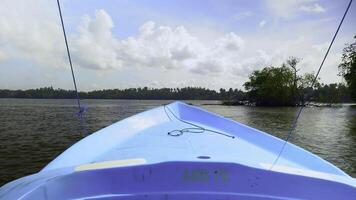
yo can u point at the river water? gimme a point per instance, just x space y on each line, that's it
33 131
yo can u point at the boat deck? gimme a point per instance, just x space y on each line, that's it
146 136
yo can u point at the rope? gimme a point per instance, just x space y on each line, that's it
80 109
295 121
194 129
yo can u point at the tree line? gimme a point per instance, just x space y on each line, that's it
271 86
325 93
186 93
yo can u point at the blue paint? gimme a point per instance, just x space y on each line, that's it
177 166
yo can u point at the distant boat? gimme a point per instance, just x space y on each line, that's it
179 151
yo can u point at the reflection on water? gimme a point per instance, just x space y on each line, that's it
33 132
327 132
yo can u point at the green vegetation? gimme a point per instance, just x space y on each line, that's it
332 93
282 86
347 68
193 93
279 86
324 93
271 86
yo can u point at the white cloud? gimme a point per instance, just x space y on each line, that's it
290 8
155 51
155 46
258 60
31 31
94 46
230 43
262 23
160 46
208 66
314 8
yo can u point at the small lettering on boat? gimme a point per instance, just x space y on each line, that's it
206 175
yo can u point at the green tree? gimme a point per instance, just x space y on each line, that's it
271 86
292 63
332 93
279 86
347 68
305 91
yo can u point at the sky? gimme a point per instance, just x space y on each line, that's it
176 43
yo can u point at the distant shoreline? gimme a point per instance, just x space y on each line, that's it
230 97
219 102
113 99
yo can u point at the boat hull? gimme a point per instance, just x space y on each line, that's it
186 180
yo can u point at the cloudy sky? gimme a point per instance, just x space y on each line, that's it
176 43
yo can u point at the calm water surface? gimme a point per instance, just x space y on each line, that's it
33 132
